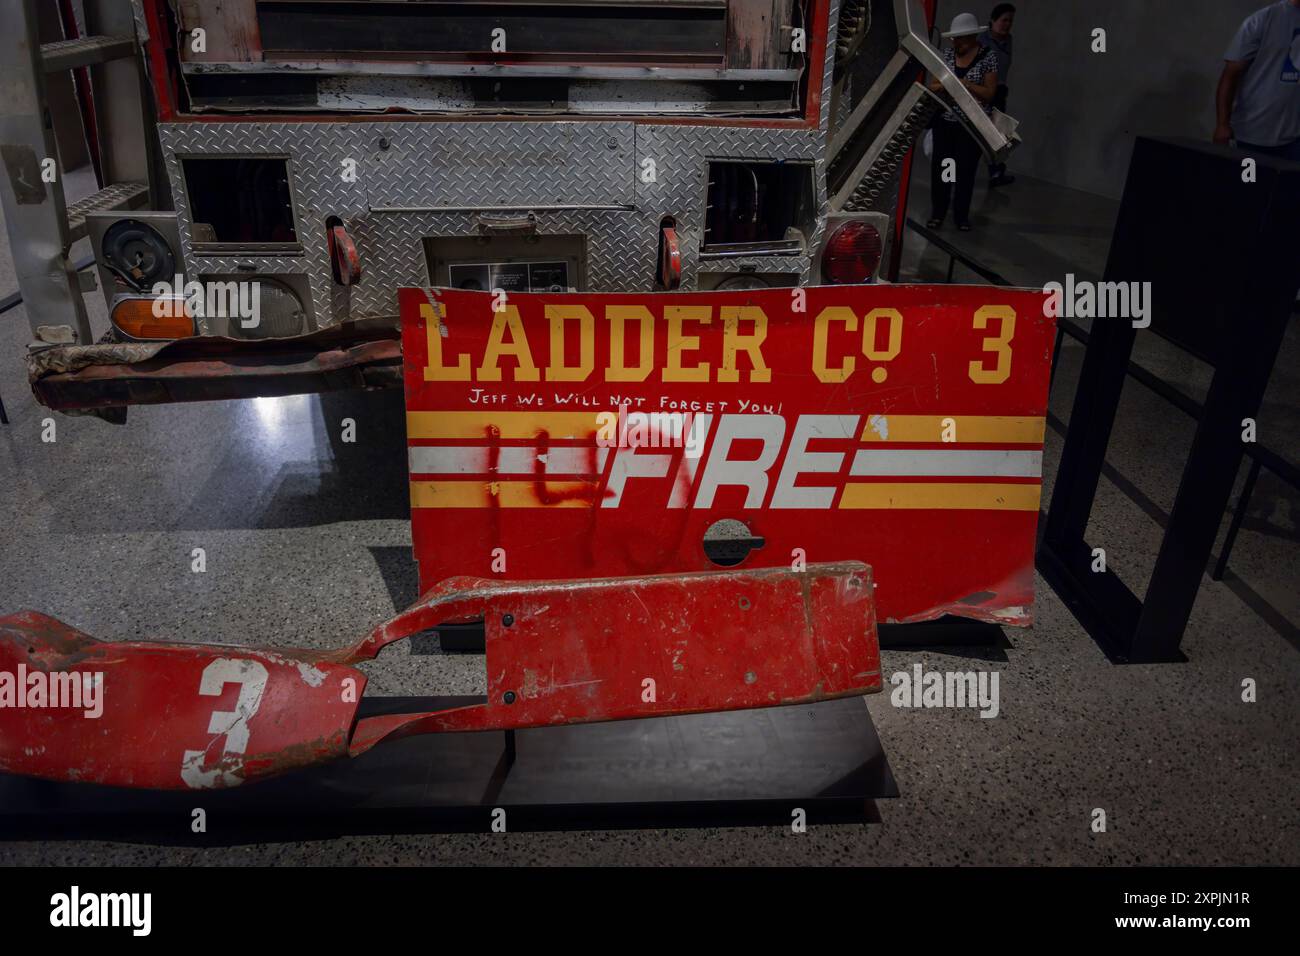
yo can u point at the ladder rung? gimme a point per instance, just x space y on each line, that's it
116 196
84 51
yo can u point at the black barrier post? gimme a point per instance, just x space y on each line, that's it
1230 307
1238 515
1106 607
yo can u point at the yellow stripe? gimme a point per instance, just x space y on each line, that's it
992 429
941 495
462 425
508 494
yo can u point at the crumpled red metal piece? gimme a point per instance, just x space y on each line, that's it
173 716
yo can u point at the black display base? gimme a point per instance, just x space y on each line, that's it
750 767
947 631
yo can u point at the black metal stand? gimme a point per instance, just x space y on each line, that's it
751 767
947 631
1260 454
1233 317
1238 516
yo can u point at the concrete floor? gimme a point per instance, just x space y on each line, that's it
308 544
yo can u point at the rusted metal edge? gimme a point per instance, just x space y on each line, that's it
558 652
463 598
110 375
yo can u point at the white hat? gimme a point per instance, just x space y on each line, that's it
964 25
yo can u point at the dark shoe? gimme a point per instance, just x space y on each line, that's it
963 226
1001 180
934 224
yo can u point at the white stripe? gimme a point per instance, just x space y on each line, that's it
967 463
471 460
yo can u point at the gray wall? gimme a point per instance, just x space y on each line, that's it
1080 110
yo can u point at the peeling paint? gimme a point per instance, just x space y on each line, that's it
223 716
311 676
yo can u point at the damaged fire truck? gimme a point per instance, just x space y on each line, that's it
527 214
326 154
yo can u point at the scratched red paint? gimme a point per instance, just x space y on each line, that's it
897 427
158 720
191 715
946 520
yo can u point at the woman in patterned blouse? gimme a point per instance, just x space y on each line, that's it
976 67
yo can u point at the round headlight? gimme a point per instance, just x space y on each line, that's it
742 280
255 308
138 253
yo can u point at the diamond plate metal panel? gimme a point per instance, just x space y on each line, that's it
319 181
828 67
116 196
877 189
621 245
681 155
620 250
501 164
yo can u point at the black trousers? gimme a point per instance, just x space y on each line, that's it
951 141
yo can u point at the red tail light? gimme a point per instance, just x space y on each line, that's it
852 254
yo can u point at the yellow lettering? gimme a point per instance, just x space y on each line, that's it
835 313
733 342
435 371
505 321
679 344
895 334
999 345
618 315
557 371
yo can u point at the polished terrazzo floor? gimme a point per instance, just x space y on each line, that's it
307 544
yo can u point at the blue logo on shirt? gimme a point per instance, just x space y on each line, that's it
1291 65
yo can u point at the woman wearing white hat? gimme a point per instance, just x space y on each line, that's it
976 67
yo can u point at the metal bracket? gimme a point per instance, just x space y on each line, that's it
488 223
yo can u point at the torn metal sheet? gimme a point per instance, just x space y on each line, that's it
897 425
171 716
205 368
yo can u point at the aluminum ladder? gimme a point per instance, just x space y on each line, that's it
116 116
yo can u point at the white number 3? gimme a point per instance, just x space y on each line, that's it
232 724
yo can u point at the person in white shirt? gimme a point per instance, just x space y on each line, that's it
1258 98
